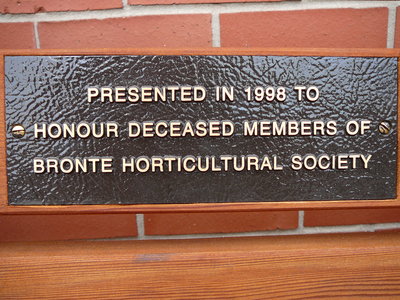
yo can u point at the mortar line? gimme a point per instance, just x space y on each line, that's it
143 10
300 225
305 231
140 226
125 4
36 35
391 27
216 30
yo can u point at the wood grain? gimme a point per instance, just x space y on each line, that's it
292 267
71 209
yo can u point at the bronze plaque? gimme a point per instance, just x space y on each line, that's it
146 129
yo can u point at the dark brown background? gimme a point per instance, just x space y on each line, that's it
53 89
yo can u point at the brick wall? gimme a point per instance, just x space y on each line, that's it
197 23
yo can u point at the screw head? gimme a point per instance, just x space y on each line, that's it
18 131
385 127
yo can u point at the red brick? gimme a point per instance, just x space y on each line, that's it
66 227
17 36
35 6
351 216
152 2
147 31
330 28
192 223
397 33
388 230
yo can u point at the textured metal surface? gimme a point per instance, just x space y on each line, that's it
53 89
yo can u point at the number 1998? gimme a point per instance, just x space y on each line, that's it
268 94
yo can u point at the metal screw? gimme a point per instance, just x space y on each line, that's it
384 127
18 131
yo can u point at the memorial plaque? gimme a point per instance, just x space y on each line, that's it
180 129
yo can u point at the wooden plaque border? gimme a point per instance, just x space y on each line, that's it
198 207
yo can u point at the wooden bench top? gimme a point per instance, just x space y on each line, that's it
313 266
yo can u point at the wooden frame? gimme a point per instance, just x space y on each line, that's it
142 208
